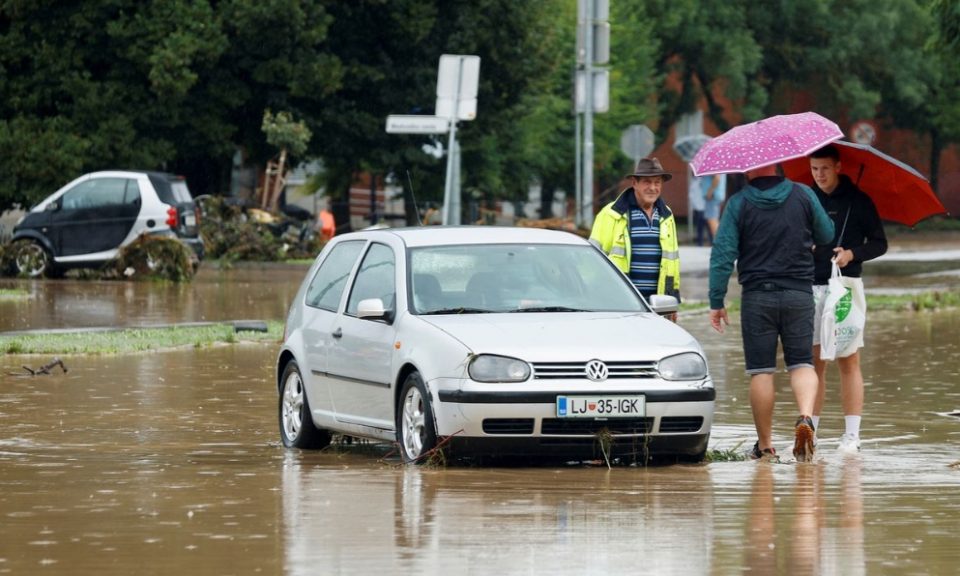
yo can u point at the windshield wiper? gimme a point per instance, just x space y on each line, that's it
549 309
460 310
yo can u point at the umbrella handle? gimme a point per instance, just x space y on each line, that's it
844 227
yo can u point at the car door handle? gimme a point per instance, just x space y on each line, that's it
338 333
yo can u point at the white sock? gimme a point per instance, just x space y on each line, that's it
816 423
853 425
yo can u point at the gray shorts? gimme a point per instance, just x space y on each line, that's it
778 315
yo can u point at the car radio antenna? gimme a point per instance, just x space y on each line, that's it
416 208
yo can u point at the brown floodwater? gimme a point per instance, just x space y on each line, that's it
170 462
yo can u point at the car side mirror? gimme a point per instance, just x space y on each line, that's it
53 206
663 304
373 309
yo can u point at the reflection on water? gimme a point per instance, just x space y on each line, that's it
809 527
170 462
495 521
261 292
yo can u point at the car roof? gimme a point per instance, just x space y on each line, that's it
154 173
456 235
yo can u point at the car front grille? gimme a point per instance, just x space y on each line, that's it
562 426
619 370
508 426
675 424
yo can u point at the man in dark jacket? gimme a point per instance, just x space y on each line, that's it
769 229
859 237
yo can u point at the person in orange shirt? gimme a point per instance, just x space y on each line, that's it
328 227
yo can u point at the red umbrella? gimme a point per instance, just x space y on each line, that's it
900 193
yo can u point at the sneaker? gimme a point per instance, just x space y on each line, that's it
765 454
849 444
803 440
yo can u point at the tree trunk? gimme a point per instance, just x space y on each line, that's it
341 210
546 199
278 181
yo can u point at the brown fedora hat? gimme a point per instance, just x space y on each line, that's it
650 167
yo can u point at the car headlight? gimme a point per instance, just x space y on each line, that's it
686 366
490 368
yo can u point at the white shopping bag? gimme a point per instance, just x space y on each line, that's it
844 316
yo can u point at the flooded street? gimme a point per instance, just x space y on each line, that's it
171 462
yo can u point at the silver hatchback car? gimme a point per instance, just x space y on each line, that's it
488 341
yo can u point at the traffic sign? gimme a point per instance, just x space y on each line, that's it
458 78
401 124
637 141
601 90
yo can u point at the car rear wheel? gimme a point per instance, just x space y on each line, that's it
416 432
31 259
296 423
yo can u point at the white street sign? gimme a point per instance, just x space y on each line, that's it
400 124
601 90
458 79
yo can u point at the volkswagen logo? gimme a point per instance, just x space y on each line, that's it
596 370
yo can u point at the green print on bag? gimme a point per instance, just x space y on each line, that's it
844 305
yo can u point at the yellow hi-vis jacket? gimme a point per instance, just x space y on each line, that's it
611 233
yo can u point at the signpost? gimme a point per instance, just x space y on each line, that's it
637 142
591 93
457 81
399 124
458 77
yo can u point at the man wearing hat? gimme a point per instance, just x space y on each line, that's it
638 232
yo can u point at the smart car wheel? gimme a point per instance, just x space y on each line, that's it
416 433
296 424
31 259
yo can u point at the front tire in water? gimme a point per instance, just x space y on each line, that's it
296 423
416 432
31 259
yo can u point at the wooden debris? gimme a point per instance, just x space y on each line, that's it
45 369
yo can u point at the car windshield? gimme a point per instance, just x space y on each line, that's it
518 278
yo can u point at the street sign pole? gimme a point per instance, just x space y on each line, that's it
578 159
586 205
457 84
450 216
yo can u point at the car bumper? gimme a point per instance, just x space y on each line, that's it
676 420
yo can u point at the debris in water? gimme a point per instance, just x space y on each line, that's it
45 369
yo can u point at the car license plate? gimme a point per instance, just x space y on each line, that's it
600 406
190 220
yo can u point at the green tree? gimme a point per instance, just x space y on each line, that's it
291 137
390 51
176 85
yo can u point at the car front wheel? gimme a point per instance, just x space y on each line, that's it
31 259
416 432
296 423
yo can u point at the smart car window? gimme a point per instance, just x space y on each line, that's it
328 283
132 193
180 191
95 193
375 279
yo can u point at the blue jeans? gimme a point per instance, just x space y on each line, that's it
772 315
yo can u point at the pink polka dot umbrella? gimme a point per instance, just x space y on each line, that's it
765 142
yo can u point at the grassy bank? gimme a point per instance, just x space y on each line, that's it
895 303
135 340
148 339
